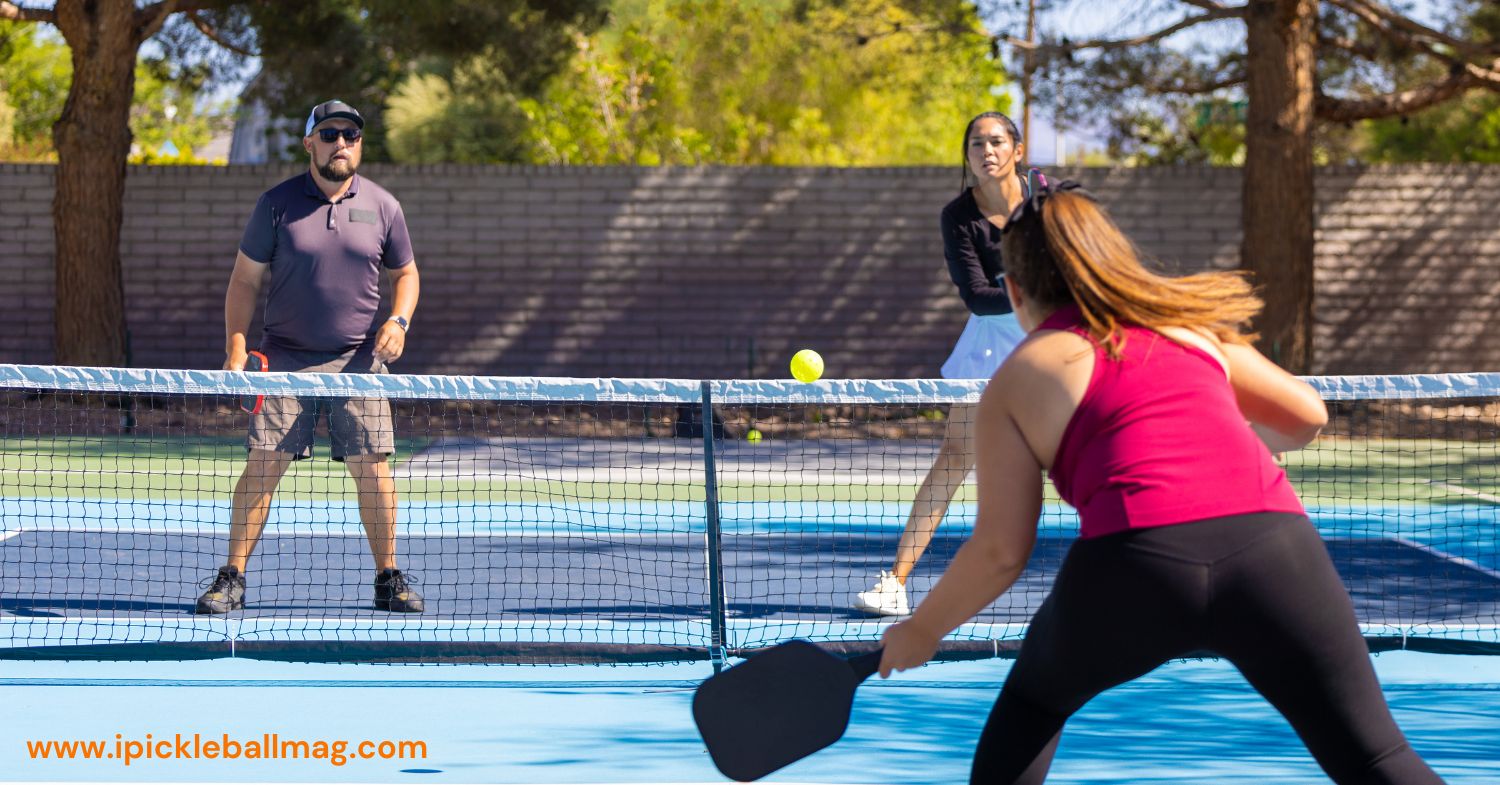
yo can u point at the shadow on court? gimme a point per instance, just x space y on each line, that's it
146 576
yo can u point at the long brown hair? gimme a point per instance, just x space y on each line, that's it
1062 247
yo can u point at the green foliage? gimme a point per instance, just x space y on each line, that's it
7 122
1466 128
435 120
780 82
1463 130
166 108
34 85
1188 132
490 52
1141 98
34 76
1164 102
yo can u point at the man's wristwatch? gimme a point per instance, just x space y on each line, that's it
400 322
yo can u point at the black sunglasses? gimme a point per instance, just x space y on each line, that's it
330 135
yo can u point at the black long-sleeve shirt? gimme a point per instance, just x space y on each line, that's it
971 244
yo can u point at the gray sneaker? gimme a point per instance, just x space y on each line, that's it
393 592
227 593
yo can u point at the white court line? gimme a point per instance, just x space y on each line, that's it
261 623
561 530
1462 491
139 470
1442 555
253 625
624 476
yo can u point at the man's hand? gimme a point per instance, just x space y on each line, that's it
390 341
235 361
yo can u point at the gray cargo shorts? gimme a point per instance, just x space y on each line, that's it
356 426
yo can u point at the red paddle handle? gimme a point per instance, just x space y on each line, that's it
255 361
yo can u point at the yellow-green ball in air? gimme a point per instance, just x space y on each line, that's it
807 366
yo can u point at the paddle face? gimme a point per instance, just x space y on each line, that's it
254 362
778 707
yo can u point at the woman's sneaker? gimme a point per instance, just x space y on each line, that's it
227 593
393 593
887 598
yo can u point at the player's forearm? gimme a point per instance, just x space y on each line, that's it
985 300
239 310
978 575
1278 442
975 288
405 290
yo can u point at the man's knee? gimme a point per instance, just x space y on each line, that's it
263 468
369 466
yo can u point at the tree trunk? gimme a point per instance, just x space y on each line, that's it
1278 174
93 143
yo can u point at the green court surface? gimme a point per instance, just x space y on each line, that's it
1332 471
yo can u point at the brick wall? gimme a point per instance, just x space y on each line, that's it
724 272
1408 273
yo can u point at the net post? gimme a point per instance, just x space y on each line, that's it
716 624
127 401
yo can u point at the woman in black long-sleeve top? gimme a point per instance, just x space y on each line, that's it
993 184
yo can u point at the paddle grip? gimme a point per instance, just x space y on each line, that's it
254 361
865 665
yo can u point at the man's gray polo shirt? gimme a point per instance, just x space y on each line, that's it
326 260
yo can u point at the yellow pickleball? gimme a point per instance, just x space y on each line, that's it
807 366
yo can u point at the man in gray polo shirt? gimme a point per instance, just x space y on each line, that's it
324 238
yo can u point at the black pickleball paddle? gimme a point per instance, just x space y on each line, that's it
778 707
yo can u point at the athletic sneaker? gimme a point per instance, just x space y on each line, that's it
393 593
887 598
227 593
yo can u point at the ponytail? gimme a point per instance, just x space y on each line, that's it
1062 247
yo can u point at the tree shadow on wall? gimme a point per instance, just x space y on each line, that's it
1410 284
724 273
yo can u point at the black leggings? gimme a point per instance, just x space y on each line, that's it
1258 590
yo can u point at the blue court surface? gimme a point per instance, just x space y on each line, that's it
608 575
154 576
1192 722
596 592
142 562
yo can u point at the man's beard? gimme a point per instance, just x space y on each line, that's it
344 171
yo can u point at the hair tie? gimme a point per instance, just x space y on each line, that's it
1031 206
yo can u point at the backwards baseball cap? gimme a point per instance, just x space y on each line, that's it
329 110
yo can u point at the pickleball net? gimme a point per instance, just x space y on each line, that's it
552 520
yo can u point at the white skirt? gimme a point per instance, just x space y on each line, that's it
985 343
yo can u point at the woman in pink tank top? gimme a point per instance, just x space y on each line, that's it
1143 399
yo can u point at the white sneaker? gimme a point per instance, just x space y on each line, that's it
887 598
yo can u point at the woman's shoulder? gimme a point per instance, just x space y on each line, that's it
1200 339
1046 351
962 208
1048 367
